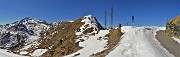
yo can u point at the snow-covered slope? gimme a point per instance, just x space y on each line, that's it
139 42
90 23
91 44
22 34
135 42
4 53
91 37
39 52
26 30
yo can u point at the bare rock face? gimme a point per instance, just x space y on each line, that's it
173 27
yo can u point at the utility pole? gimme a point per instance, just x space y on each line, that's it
133 21
112 17
105 19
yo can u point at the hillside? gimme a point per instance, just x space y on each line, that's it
34 37
135 42
173 27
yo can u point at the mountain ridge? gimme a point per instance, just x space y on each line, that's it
29 34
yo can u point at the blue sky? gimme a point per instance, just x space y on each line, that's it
146 12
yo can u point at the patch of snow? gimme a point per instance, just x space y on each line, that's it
39 52
70 21
4 53
23 52
177 40
55 32
91 45
33 44
90 22
32 38
50 47
78 33
26 47
139 42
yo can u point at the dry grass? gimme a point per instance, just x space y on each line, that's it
89 30
63 42
173 27
177 19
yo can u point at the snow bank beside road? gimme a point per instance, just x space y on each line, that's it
177 40
139 42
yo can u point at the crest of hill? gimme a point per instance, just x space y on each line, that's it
173 27
63 36
176 19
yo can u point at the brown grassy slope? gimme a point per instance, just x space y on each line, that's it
173 27
167 42
176 19
64 41
113 38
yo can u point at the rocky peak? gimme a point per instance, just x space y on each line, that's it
91 25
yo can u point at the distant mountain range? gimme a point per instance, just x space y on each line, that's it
19 32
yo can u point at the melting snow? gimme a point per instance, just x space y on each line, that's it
4 53
23 52
70 21
92 44
90 22
177 40
39 52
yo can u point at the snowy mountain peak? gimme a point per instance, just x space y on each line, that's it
26 30
29 20
91 25
90 19
33 24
